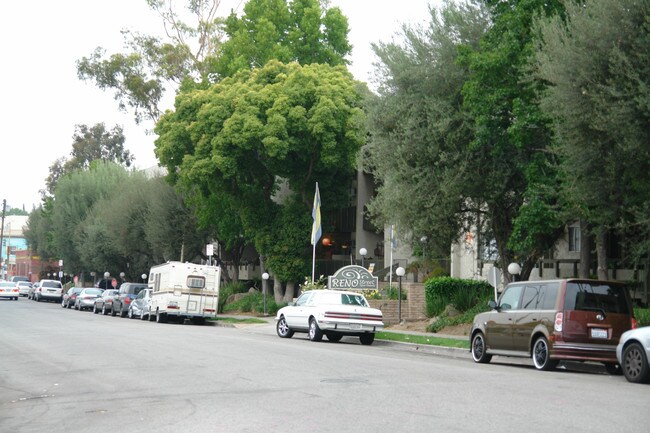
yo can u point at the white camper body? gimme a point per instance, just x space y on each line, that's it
184 290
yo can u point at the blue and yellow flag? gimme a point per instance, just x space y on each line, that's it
316 228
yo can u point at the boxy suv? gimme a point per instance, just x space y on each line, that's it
570 319
127 293
49 290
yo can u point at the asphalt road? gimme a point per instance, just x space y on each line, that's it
69 371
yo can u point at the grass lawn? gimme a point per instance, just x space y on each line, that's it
237 320
422 339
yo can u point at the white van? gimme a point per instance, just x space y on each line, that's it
184 290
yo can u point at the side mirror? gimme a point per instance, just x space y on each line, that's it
492 304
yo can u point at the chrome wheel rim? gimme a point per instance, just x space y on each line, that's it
540 353
478 347
282 326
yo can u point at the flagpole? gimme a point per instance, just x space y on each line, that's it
390 273
316 231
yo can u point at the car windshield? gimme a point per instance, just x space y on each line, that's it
51 284
93 291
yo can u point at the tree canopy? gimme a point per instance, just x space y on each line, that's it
262 138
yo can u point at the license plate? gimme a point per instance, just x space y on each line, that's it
355 326
598 333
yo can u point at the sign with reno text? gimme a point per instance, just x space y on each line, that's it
352 277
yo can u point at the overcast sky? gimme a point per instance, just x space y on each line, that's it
43 100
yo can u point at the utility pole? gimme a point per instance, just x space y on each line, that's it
2 238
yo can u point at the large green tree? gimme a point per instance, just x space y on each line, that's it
245 137
303 31
420 131
596 63
89 144
509 151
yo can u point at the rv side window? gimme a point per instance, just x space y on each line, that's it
194 282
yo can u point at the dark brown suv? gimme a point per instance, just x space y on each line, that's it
570 319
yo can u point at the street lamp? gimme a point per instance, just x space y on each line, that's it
514 269
400 273
144 277
424 240
122 276
106 277
362 253
265 277
92 274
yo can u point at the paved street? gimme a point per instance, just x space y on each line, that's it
69 371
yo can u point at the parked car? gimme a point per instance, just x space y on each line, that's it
332 313
633 353
9 290
17 278
572 319
139 307
32 291
104 303
85 300
126 294
23 287
70 297
49 290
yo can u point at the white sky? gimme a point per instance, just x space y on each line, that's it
43 100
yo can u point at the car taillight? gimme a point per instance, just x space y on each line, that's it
127 300
633 323
558 322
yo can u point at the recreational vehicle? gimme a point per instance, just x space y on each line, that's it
184 291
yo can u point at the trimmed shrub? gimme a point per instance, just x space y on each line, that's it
642 316
253 303
230 289
462 294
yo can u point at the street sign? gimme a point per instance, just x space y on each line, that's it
209 250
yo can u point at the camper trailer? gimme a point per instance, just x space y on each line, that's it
184 291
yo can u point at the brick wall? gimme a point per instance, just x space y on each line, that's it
413 308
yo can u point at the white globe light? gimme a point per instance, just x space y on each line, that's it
265 275
143 276
514 268
107 274
363 251
400 271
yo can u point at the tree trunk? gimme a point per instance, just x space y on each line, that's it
601 253
585 251
278 293
289 292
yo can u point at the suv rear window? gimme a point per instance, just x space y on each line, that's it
132 289
51 284
609 298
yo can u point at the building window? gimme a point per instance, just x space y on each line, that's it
574 239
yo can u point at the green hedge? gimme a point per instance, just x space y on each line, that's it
462 294
642 316
229 289
253 303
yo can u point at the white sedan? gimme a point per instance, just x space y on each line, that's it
633 353
9 290
332 313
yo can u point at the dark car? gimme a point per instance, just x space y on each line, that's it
127 293
104 303
70 297
550 321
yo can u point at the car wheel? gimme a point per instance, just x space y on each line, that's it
283 329
334 337
142 315
198 321
38 298
479 349
95 310
367 339
122 313
62 304
104 312
152 317
541 357
635 365
113 312
130 313
161 317
315 334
